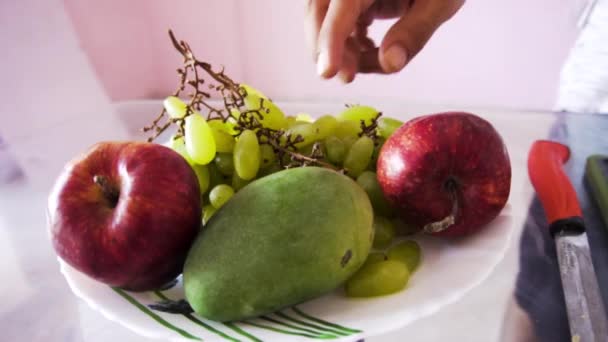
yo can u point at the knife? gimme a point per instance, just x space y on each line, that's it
586 314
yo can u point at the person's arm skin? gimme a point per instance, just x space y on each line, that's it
337 33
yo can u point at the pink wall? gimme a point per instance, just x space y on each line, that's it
128 45
51 104
493 53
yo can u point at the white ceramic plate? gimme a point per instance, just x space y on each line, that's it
450 269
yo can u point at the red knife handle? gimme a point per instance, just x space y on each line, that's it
556 193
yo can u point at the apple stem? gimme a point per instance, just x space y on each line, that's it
107 189
446 222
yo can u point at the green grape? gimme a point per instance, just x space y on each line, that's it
359 156
235 113
384 232
273 116
238 183
386 126
304 117
297 123
224 163
305 130
208 211
376 153
369 182
307 150
274 167
229 124
220 194
247 155
175 107
215 176
202 174
268 155
374 257
324 127
377 279
199 139
179 145
358 113
224 142
291 120
349 141
335 150
225 127
407 252
347 128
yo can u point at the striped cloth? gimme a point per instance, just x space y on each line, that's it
583 83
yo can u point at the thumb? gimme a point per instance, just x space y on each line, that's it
410 34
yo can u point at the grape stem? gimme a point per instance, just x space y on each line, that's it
298 159
229 90
273 138
371 130
233 96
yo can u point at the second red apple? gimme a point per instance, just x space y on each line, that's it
447 173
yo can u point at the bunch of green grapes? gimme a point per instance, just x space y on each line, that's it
226 158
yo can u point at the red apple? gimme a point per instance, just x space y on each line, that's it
126 213
447 173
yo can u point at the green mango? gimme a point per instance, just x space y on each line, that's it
283 239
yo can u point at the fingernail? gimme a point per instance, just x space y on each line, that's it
395 57
346 77
322 63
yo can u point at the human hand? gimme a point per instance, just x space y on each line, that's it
337 33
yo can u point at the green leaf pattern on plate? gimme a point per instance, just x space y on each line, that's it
292 321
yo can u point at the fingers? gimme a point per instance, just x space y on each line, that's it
369 63
410 33
315 13
386 9
364 41
340 21
337 33
350 60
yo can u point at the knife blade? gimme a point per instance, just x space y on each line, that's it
586 314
